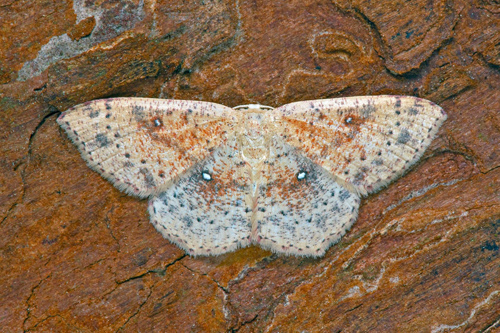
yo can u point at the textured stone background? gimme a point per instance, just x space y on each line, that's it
78 255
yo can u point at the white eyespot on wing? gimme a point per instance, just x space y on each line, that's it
207 211
301 210
301 175
365 142
206 175
141 144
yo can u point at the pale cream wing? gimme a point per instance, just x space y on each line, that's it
207 211
142 144
365 142
301 209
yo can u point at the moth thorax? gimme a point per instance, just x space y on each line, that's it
253 137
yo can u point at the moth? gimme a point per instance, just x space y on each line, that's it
289 179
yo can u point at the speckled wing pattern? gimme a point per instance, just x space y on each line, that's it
289 179
365 142
301 209
207 210
142 144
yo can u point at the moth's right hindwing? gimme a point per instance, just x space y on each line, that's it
301 209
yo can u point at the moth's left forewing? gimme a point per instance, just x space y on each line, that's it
142 144
364 142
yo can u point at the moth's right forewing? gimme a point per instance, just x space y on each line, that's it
364 142
142 144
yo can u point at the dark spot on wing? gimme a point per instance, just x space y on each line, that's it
404 137
188 221
148 177
102 140
344 195
138 112
413 111
359 177
367 110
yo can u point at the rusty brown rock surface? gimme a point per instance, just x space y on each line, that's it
78 255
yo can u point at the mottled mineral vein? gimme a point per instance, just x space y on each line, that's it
110 23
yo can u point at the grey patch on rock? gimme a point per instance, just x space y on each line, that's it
128 164
102 140
110 23
378 161
94 114
404 137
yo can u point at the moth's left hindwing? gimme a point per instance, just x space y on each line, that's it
208 209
